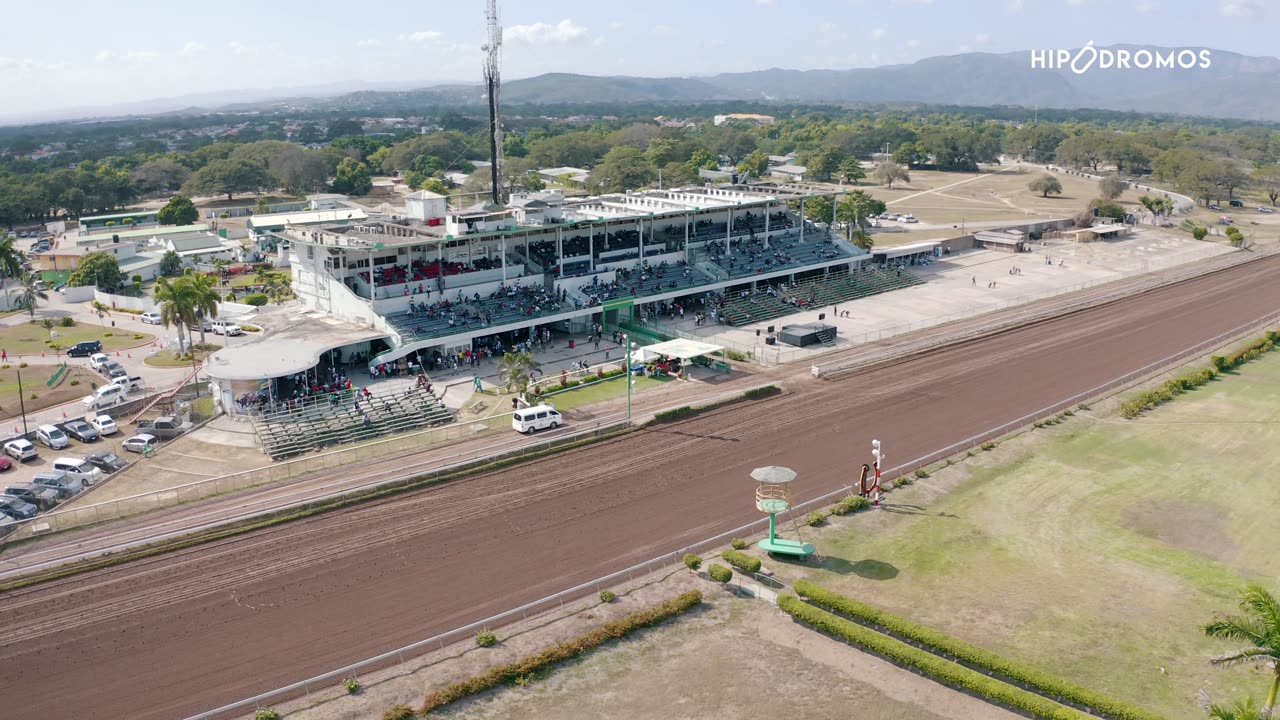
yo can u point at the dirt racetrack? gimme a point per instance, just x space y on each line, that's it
174 635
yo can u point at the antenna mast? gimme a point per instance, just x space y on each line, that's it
493 83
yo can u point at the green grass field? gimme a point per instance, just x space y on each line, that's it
1094 549
30 339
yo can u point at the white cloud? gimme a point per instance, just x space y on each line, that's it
662 30
239 48
767 3
717 43
964 49
981 39
141 55
828 27
879 34
368 42
540 33
192 47
1013 7
1145 7
597 42
1075 3
1251 9
426 36
104 56
615 26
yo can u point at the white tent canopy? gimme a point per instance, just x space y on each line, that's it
680 347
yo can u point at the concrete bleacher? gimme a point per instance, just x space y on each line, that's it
753 258
320 422
837 287
500 310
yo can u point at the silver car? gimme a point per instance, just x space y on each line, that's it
59 482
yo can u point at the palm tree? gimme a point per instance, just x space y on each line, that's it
220 267
1259 627
176 306
1246 709
203 295
10 259
862 239
29 293
515 368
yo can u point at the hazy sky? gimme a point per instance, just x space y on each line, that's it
76 53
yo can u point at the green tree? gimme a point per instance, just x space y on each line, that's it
228 177
851 171
1046 185
262 206
179 211
343 128
887 173
862 239
702 159
1259 629
352 178
855 208
1112 187
29 294
1246 709
661 151
99 269
675 174
170 264
202 291
756 163
309 134
822 163
1268 179
160 175
623 168
1200 233
1108 209
10 259
1082 151
515 369
911 154
177 307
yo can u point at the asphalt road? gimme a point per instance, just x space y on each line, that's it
178 634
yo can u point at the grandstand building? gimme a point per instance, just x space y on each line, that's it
441 280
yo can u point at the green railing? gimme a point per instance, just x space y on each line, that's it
57 375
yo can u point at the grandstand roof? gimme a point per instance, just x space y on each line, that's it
317 217
680 347
293 342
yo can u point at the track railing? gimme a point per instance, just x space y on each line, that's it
673 558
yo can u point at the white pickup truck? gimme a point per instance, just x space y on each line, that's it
129 383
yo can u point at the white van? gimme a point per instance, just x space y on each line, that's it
536 417
51 436
106 396
78 469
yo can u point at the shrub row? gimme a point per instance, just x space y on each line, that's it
851 504
570 384
944 671
741 560
1149 399
736 355
676 414
524 667
719 573
759 392
962 651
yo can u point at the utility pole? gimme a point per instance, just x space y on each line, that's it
630 345
493 83
22 405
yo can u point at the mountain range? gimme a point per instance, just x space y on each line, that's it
1234 86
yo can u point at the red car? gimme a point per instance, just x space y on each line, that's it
5 463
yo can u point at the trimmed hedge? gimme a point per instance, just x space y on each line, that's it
963 652
765 391
741 560
560 652
398 712
1150 399
944 671
719 573
851 504
669 415
692 561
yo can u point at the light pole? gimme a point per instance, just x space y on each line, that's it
22 404
630 345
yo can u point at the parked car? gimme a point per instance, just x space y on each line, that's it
85 348
63 485
52 437
80 430
104 424
1235 202
114 370
17 508
79 469
20 449
108 462
6 463
105 397
98 361
1265 209
150 318
38 495
164 427
1216 207
226 327
141 442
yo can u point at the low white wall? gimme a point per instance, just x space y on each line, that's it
143 304
84 293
